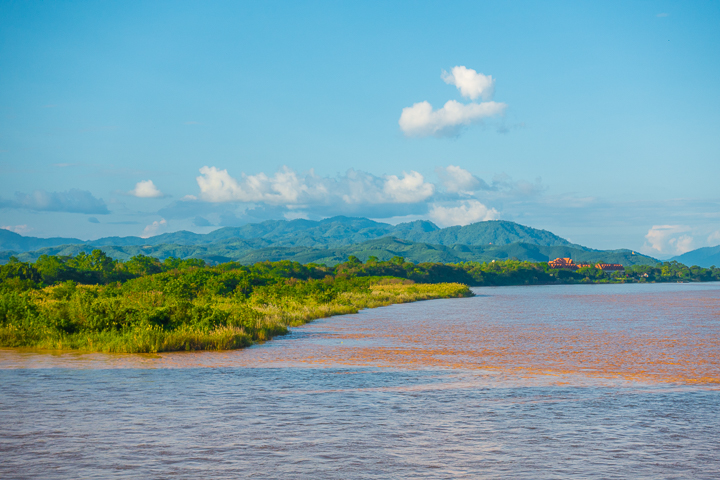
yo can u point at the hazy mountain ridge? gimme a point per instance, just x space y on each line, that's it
704 257
331 232
333 240
16 242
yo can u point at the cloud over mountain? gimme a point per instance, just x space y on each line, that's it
456 197
669 239
287 187
456 179
464 213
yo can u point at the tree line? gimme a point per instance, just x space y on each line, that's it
96 268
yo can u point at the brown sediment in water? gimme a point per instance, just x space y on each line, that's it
665 337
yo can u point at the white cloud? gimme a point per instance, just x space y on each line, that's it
682 244
287 187
20 229
456 179
470 83
467 212
669 239
409 189
714 238
420 120
283 188
154 228
146 189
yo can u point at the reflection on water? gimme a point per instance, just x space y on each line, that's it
522 382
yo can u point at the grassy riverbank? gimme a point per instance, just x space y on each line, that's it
197 308
95 303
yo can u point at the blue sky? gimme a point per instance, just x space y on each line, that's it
599 121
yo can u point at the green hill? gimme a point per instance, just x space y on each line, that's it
702 257
14 241
331 241
331 232
495 232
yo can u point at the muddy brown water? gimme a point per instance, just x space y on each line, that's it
584 381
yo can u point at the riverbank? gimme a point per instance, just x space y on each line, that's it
95 303
97 319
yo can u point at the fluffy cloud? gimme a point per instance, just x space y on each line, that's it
146 189
154 228
669 239
287 187
457 197
470 83
456 180
421 120
469 211
72 201
409 189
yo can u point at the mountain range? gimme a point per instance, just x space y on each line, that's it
331 241
331 232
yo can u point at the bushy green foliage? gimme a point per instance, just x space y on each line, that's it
93 269
672 272
514 272
93 302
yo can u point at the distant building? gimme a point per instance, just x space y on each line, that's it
610 267
567 263
562 263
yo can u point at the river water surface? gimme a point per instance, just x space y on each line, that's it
585 381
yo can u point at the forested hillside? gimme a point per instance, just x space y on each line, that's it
251 251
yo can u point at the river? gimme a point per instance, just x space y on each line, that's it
581 381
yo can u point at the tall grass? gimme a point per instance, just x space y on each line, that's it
89 318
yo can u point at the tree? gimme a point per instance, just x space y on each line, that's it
397 260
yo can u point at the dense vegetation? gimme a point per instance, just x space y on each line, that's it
93 302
